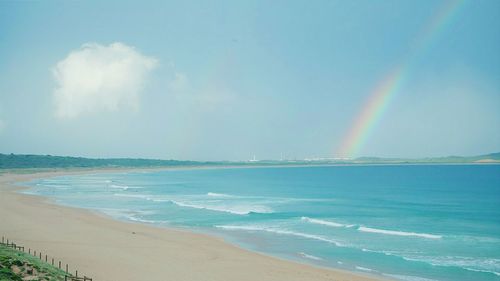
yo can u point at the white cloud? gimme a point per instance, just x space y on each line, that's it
100 78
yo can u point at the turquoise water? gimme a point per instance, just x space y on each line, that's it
422 222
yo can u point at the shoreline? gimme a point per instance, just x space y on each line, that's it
108 249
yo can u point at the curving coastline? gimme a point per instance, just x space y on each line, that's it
114 250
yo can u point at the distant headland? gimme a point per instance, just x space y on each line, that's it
26 161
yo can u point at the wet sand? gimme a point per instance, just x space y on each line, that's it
110 250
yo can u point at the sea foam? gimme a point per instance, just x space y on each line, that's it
324 222
235 208
370 229
241 209
140 196
398 233
281 231
408 277
302 254
134 218
124 187
485 265
221 195
364 268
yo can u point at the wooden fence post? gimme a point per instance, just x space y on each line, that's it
67 277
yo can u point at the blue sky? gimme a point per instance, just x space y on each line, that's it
231 79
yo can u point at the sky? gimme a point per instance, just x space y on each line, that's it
227 80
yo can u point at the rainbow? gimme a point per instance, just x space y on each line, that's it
386 89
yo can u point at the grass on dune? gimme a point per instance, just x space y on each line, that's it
18 266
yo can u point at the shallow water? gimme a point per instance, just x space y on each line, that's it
421 222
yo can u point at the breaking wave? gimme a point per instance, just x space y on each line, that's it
220 195
370 229
408 277
364 268
241 209
484 265
398 233
281 231
328 223
311 257
123 187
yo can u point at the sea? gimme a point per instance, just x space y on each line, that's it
402 222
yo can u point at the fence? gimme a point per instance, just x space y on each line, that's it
67 277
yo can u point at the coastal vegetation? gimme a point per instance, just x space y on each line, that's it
17 266
27 161
19 161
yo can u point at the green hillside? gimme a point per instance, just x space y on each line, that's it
21 161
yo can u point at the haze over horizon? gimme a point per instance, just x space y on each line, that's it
227 80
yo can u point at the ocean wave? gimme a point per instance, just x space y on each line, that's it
117 210
212 205
236 209
302 254
281 231
140 196
408 277
220 195
328 223
481 270
295 199
123 187
145 212
485 265
475 239
58 186
398 233
134 218
370 229
364 268
387 253
373 251
271 199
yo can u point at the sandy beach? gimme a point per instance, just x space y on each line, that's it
110 250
